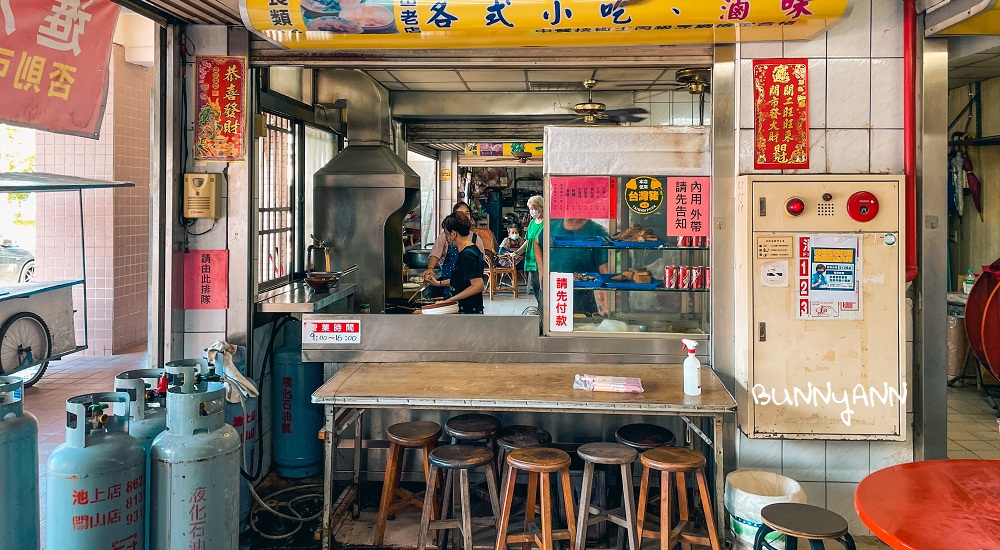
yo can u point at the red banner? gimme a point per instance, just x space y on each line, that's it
689 206
587 197
54 63
781 111
206 279
220 122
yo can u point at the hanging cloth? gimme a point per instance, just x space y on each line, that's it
972 181
956 183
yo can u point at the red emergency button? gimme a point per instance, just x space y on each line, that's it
862 206
795 206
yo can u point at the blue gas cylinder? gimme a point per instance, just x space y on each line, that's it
246 424
18 469
96 481
296 420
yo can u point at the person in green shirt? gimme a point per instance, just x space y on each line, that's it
535 207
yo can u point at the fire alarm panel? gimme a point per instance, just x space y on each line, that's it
202 195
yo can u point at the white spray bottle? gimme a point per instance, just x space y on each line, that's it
692 369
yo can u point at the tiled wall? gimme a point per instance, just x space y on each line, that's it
116 222
673 108
856 121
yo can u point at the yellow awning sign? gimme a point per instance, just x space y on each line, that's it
429 24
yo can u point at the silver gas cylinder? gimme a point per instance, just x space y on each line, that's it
195 473
18 469
96 481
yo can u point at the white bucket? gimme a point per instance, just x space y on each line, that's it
747 493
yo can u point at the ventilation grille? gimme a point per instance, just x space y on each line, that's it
826 210
201 203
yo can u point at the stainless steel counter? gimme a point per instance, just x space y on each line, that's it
299 297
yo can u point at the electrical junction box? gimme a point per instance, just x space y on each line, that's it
203 195
820 347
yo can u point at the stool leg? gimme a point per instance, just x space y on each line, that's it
491 486
508 499
628 496
581 526
529 506
760 540
567 491
546 489
849 542
425 516
640 515
463 481
791 543
706 503
816 545
682 505
392 465
666 542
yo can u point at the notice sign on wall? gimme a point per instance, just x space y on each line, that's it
829 277
689 209
781 114
589 197
206 279
220 120
561 301
337 331
54 63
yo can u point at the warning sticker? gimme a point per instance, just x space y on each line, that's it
828 272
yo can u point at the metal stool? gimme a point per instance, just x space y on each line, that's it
613 454
674 462
402 436
461 458
643 437
538 462
802 521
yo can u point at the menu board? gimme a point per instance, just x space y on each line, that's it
689 209
586 197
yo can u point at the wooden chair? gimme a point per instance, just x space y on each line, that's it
495 273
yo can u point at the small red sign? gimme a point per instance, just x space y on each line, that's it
220 118
332 332
689 206
54 64
781 114
206 279
581 197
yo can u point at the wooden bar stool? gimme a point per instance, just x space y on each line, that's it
512 438
402 436
467 428
802 521
612 454
538 462
674 462
643 437
461 458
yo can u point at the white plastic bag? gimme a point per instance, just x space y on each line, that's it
749 491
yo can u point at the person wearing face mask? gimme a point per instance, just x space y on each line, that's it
466 279
508 256
535 207
445 254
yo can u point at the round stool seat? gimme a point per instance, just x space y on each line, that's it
471 427
644 437
512 438
804 521
414 434
539 459
607 453
672 459
456 457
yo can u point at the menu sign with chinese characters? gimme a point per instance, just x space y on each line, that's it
781 114
220 122
689 211
828 275
561 301
427 24
588 197
206 279
54 64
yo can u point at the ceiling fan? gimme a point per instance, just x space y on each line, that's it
592 112
695 81
523 157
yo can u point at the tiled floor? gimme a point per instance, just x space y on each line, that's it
73 375
972 425
505 304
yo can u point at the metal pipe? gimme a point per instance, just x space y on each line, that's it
909 134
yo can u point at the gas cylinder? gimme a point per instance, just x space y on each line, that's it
95 497
147 406
195 473
296 420
18 469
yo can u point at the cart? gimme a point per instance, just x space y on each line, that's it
36 318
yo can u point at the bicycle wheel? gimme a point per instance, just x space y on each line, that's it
24 339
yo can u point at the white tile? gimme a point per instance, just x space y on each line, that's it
803 460
659 113
847 151
887 29
746 94
746 151
817 154
205 320
840 499
760 50
815 492
817 93
851 37
847 460
683 114
196 342
759 454
887 152
848 93
887 92
814 48
883 454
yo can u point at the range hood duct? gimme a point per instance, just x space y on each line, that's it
362 194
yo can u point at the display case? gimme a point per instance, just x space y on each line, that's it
627 255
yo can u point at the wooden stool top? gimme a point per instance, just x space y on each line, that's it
414 434
672 459
607 453
460 457
644 437
804 521
470 427
517 437
539 459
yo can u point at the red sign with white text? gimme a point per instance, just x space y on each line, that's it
206 279
689 206
220 127
54 63
781 111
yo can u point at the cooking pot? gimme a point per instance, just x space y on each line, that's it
322 281
418 257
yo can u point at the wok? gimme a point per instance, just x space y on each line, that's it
321 281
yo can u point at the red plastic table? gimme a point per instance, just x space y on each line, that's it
935 504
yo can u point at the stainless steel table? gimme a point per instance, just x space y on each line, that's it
509 387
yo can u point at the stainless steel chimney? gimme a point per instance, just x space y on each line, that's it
362 194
